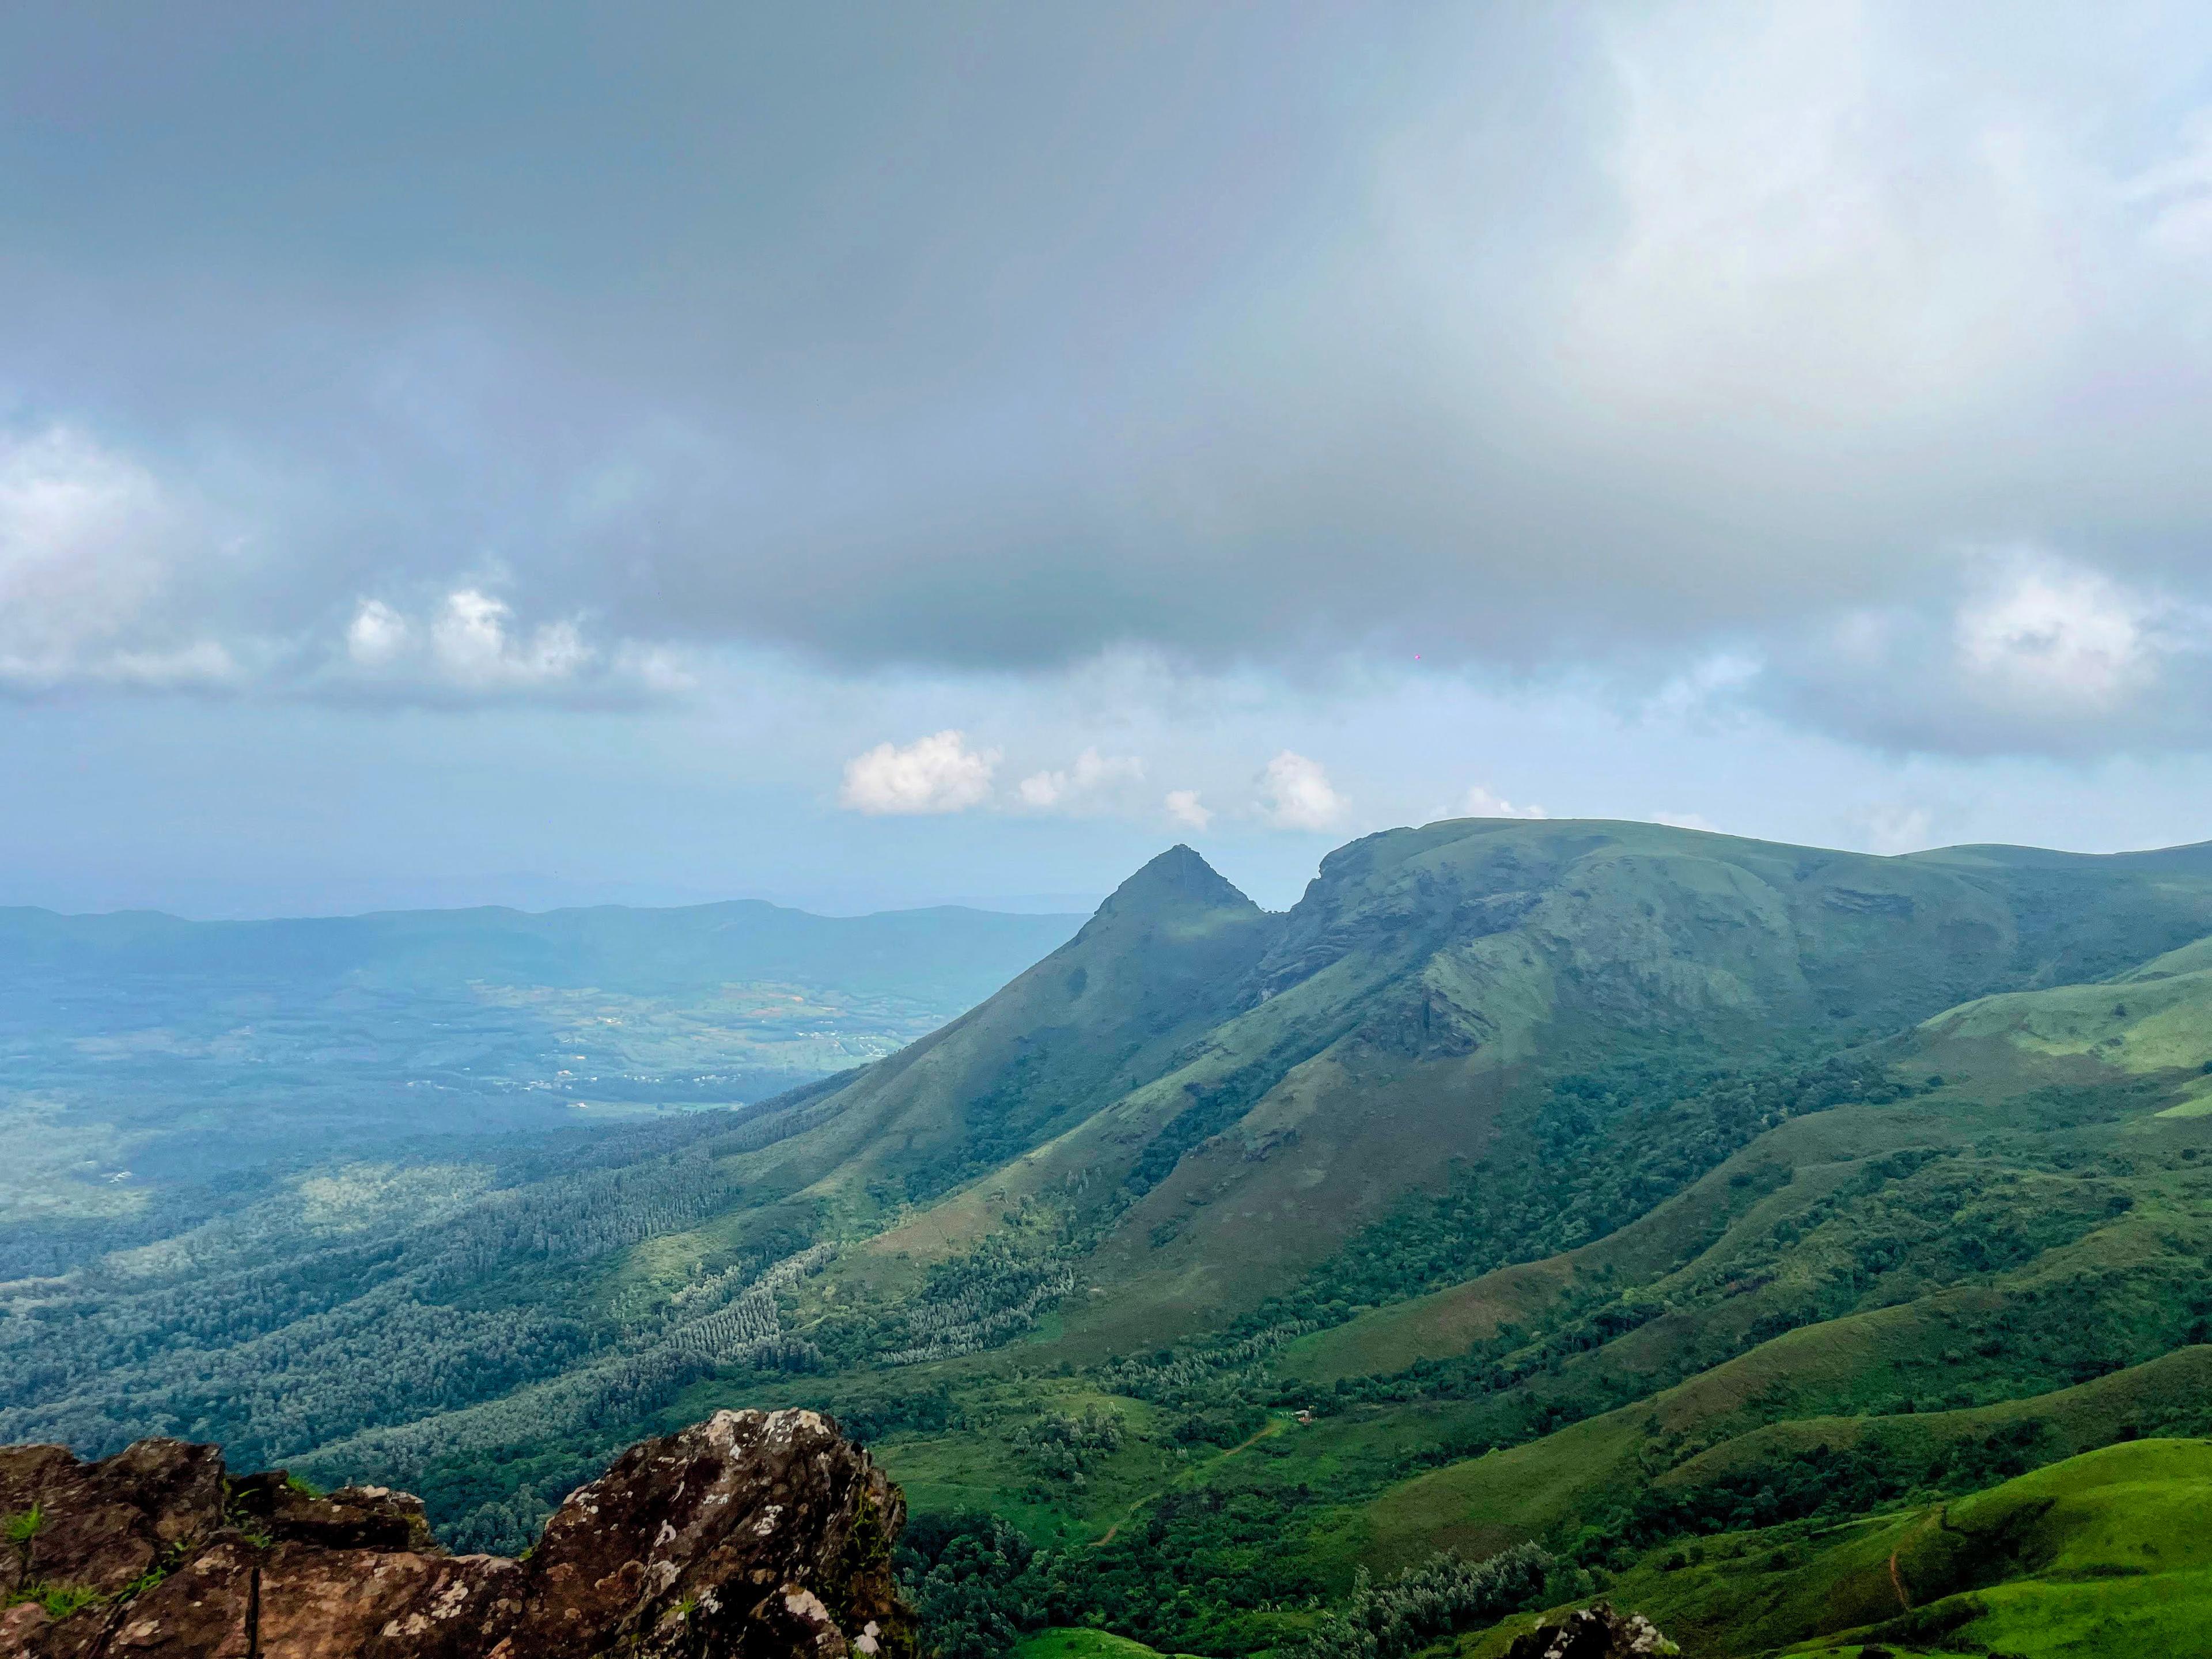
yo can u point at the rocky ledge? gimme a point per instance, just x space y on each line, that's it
754 1534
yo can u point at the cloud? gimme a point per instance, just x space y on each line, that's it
89 546
1296 794
468 646
2048 632
378 635
2020 651
1722 343
1182 805
474 642
1685 821
936 774
1094 784
1894 827
1481 804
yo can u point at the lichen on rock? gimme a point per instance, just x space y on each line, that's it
760 1533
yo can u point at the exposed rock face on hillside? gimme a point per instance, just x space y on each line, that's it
1596 1632
752 1533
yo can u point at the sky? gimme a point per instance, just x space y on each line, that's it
865 456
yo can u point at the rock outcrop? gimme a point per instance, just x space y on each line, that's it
751 1534
1596 1632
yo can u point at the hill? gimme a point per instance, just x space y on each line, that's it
1606 1186
1391 1023
2103 1554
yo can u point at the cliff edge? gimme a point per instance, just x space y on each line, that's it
754 1534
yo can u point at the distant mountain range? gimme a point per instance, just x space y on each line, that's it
144 1051
1668 1198
947 954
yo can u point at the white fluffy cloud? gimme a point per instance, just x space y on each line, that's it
378 635
476 643
1096 783
1295 794
1685 821
89 546
1481 804
470 642
2022 650
1183 806
936 774
2046 631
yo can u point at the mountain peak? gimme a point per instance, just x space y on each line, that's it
1178 879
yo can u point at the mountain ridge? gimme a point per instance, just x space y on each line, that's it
1571 1178
1423 967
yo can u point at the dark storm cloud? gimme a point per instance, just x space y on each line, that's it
394 341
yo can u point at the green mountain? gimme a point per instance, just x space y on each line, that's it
1229 1140
1667 1200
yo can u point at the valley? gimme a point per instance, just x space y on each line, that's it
159 1071
1743 1225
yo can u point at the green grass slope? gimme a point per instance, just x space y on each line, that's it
1079 1643
1429 978
2108 1553
2000 1265
1153 970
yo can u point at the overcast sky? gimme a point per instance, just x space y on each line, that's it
867 456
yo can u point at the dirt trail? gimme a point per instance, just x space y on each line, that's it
1941 1518
1275 1425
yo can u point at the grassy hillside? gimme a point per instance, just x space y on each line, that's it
2106 1553
1427 987
1606 1186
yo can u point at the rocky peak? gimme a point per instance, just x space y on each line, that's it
754 1533
1178 879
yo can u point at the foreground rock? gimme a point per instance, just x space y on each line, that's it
750 1533
1596 1632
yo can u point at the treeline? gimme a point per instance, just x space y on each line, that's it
1816 1482
1596 1152
1200 1576
1201 1572
1441 1596
410 1296
978 1299
586 1414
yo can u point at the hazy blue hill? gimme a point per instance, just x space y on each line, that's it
148 1055
948 956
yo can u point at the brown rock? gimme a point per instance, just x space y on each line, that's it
350 1518
104 1524
751 1533
1594 1633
